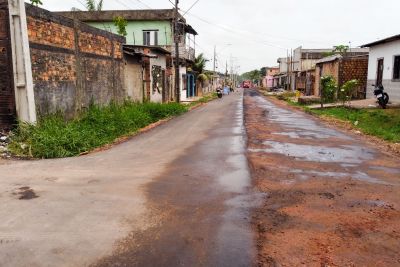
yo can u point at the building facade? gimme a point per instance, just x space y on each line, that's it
151 28
384 66
343 69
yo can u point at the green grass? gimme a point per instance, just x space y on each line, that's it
378 122
54 137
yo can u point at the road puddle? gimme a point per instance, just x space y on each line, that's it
344 154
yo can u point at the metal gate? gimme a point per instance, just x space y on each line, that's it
7 97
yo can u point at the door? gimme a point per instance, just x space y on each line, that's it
379 76
164 88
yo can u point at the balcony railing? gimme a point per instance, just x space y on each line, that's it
187 53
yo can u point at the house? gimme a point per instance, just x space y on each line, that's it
281 78
384 66
268 80
344 68
303 68
152 28
147 72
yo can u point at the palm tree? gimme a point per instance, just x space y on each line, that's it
92 5
199 66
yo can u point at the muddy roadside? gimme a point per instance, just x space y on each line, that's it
383 145
331 198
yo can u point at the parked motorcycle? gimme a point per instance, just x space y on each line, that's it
383 98
219 93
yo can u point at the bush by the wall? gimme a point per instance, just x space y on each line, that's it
53 137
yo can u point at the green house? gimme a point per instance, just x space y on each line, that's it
153 27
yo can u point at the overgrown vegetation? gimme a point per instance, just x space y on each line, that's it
347 91
286 96
378 122
93 5
54 137
121 24
36 2
328 89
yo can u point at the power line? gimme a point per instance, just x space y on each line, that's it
235 30
190 7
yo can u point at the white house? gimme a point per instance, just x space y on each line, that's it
384 66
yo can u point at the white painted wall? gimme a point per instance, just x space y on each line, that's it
161 60
387 52
182 71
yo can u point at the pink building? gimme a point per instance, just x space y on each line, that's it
268 80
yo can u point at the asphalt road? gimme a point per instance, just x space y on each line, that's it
240 181
177 195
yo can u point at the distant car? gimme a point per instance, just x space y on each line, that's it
246 84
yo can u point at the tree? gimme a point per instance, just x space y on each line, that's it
92 5
341 49
36 2
121 24
337 50
263 71
199 67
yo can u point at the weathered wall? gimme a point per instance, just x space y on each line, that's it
325 69
135 30
158 78
73 64
7 102
355 68
134 78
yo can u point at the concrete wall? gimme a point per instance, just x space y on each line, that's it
325 69
133 78
387 52
72 63
135 31
182 72
7 98
157 86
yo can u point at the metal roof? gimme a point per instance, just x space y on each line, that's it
383 41
138 48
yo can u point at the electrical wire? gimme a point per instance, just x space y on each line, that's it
190 7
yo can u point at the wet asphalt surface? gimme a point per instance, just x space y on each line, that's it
201 205
198 182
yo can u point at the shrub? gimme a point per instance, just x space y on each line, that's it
54 137
328 89
287 95
347 91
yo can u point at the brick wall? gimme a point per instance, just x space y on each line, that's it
7 102
355 68
73 64
328 69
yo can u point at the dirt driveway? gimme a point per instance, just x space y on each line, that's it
331 199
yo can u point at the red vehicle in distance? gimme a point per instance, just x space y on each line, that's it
246 84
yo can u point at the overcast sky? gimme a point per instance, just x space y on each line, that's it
260 31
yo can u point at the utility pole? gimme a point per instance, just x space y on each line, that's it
177 39
215 64
226 73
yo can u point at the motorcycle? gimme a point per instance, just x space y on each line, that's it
219 93
383 98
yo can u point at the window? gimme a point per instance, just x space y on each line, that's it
150 37
396 68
